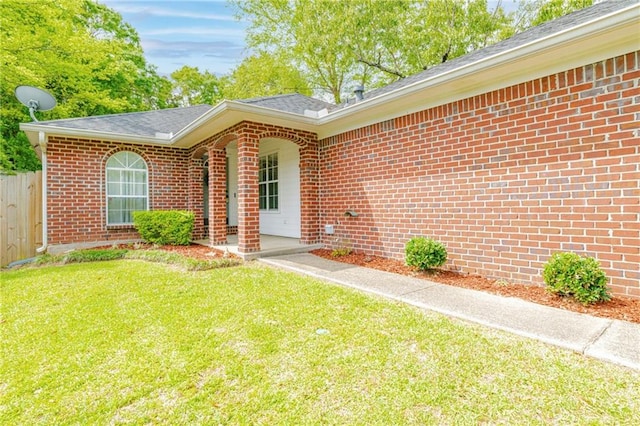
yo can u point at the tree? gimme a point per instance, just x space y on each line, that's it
344 44
535 12
80 51
17 154
264 75
305 35
191 87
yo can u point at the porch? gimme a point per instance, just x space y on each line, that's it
270 245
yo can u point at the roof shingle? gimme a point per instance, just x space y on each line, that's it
293 102
148 123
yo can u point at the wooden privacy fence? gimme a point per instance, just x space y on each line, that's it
20 216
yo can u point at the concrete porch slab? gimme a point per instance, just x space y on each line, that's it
270 245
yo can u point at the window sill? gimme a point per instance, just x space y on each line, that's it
121 226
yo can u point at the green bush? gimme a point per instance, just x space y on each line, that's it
343 247
568 274
158 256
172 227
161 256
93 255
80 256
425 253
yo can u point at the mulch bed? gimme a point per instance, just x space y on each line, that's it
195 251
198 251
621 308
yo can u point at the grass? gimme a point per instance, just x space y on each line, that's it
150 255
134 342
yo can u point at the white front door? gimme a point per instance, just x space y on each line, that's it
279 188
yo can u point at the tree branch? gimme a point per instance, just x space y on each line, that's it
381 67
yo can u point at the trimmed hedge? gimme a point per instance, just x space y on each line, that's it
568 274
425 253
165 227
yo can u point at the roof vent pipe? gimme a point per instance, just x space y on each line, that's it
359 92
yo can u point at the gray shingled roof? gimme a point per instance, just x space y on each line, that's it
148 123
173 120
536 33
294 103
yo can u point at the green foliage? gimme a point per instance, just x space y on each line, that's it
157 256
341 251
535 12
17 155
189 264
81 256
343 247
425 253
93 255
80 51
264 74
173 227
191 87
568 274
340 44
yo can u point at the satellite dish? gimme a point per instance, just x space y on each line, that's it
35 99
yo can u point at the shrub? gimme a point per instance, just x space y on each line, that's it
93 255
341 251
343 247
161 256
425 253
568 274
79 256
173 227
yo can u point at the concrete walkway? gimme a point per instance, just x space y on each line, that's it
609 340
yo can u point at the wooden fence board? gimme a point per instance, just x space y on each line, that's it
20 216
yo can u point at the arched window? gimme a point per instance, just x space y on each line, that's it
127 187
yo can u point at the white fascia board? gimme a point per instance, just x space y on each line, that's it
572 48
91 134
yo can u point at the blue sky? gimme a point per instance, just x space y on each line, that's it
203 34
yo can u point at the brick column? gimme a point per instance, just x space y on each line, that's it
248 207
217 199
309 193
196 198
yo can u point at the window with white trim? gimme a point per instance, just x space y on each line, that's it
127 187
268 182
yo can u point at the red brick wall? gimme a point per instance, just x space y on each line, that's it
76 194
503 179
248 135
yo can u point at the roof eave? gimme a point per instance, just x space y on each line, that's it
33 128
224 115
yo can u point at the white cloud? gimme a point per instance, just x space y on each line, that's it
182 49
174 13
203 31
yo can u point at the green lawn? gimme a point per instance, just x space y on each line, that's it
128 341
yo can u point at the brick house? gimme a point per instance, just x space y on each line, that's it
506 155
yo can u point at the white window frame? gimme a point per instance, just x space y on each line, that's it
268 182
125 189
